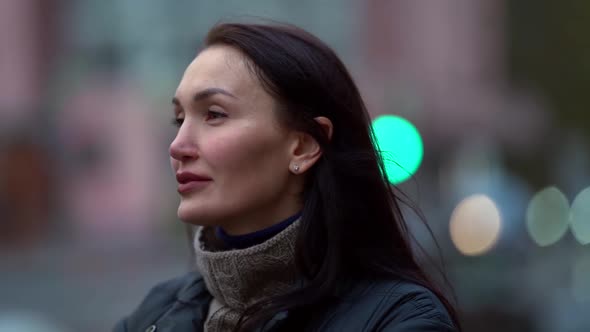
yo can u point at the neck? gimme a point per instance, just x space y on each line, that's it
260 218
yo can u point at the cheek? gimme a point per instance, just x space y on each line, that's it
228 152
239 154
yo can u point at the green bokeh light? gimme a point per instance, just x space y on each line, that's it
580 217
400 145
547 216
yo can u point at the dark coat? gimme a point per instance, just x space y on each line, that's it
181 304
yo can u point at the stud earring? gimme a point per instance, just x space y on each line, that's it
296 168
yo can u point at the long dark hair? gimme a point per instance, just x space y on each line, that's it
351 223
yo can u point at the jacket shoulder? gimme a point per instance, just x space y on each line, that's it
391 306
418 301
406 306
160 298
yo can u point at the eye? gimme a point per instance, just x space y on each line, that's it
177 122
213 115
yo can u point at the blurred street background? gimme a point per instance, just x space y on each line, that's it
499 92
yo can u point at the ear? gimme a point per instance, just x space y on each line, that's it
306 150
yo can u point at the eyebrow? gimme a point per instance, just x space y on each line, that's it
204 94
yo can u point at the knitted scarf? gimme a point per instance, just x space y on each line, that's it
240 277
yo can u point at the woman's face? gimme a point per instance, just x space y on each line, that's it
231 155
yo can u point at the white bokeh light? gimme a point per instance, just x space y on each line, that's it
475 225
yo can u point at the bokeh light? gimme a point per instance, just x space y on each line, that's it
27 322
400 145
547 216
580 277
475 225
580 217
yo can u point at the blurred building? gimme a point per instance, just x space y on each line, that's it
87 199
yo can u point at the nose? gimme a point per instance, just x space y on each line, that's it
182 147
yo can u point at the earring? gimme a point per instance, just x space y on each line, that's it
296 168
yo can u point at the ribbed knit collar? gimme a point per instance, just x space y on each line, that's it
237 278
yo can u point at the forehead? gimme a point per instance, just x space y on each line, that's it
220 67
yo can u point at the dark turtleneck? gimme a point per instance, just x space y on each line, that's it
252 239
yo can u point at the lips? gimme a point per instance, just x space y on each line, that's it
190 181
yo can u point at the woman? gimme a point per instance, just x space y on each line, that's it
298 228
